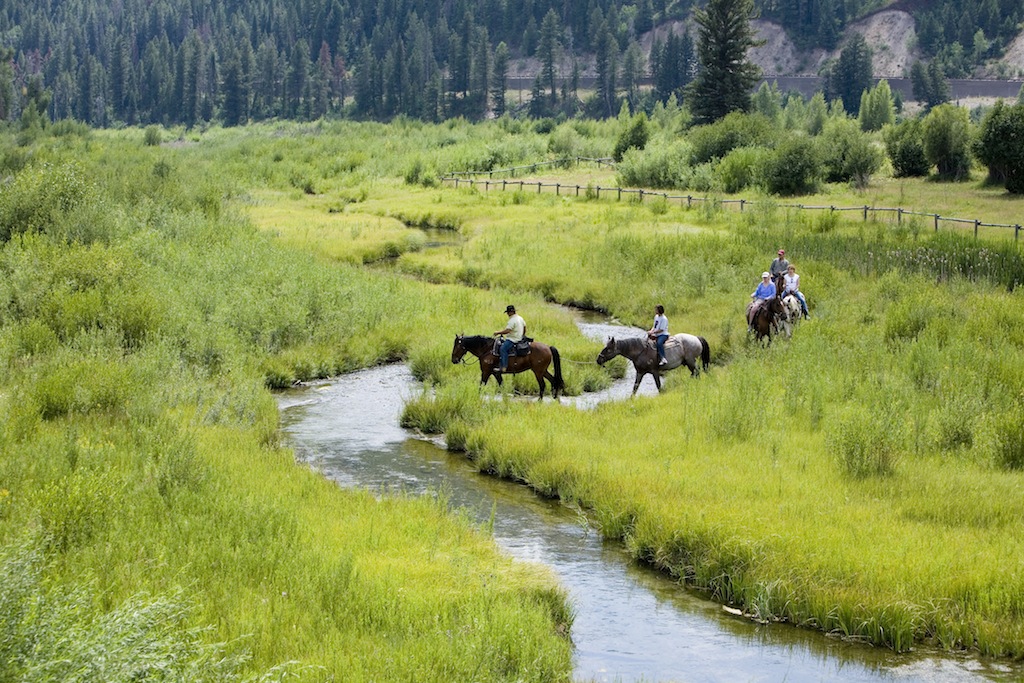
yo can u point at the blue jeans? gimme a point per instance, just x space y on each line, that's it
506 346
662 338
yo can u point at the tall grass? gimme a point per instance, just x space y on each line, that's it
835 481
139 440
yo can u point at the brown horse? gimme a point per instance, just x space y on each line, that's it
540 358
767 316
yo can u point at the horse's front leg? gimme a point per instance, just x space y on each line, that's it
657 380
636 384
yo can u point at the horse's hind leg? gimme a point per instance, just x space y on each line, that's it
551 378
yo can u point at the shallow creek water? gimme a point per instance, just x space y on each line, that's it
632 623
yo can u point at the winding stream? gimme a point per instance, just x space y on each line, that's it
632 623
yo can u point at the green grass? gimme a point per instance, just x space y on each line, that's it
139 332
837 481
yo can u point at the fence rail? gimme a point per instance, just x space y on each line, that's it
470 178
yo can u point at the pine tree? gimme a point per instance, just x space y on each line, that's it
500 79
851 75
6 83
606 60
548 50
726 75
232 108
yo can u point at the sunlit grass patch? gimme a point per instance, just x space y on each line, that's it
326 228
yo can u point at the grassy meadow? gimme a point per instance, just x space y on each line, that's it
863 478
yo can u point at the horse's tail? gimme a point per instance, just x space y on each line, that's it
558 384
705 353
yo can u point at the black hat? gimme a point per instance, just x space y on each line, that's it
510 309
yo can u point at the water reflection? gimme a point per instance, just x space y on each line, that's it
631 623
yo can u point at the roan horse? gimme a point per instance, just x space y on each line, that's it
793 314
680 349
766 316
540 358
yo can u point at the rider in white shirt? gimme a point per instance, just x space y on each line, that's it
659 332
514 332
792 286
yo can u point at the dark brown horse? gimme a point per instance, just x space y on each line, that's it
765 317
540 358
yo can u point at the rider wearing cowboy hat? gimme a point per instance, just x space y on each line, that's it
514 331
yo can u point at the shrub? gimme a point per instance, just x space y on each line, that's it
715 140
39 198
847 153
635 136
904 143
946 134
740 167
662 166
1000 145
793 168
152 136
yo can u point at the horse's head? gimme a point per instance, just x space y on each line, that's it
459 349
775 306
608 352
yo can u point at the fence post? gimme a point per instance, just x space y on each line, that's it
620 195
976 224
487 186
899 216
865 213
689 201
598 195
538 187
742 203
577 190
1016 232
503 182
936 222
641 196
558 189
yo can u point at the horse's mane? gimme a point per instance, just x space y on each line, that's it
477 341
629 342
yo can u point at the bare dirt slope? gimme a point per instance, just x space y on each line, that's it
889 33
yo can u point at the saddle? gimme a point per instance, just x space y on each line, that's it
520 348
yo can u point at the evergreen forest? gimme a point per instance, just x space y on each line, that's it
137 62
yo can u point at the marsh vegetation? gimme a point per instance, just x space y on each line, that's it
862 478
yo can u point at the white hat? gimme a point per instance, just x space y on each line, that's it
766 274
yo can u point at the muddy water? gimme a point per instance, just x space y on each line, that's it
631 623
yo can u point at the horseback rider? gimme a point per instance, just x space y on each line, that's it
792 286
659 332
514 332
765 290
779 266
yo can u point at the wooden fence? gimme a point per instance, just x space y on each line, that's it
472 179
